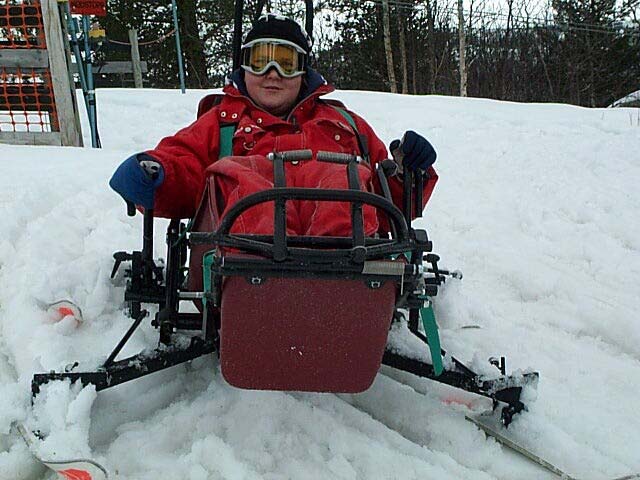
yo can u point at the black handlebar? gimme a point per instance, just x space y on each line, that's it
285 194
335 157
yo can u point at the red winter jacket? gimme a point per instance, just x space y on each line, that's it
312 124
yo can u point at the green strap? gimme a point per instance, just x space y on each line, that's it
347 117
226 140
428 317
226 150
362 140
227 131
207 262
433 338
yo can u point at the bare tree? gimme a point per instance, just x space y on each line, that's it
387 46
462 51
403 49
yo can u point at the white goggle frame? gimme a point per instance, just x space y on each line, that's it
272 63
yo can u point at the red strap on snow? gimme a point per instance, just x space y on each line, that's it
64 311
75 474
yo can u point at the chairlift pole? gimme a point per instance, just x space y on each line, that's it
91 94
178 47
73 28
237 31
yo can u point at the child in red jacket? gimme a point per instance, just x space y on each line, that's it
274 104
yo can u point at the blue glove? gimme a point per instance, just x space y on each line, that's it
137 178
414 151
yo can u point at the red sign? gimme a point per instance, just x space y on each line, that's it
89 7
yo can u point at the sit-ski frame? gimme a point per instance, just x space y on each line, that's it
283 255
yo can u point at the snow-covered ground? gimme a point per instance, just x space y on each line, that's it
538 205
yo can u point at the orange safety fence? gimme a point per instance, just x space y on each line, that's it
21 24
27 101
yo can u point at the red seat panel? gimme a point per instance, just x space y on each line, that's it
304 334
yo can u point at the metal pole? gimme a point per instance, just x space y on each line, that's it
76 51
178 47
237 30
90 90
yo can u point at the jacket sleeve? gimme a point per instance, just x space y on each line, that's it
378 153
184 158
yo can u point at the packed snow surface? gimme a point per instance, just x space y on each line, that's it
538 205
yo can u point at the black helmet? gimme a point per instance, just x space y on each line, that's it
275 26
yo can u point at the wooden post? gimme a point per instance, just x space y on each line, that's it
70 135
135 58
67 55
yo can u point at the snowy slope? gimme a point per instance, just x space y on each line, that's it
537 205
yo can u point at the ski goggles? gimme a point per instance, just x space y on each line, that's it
258 56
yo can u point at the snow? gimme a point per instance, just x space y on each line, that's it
537 205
